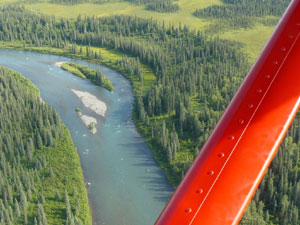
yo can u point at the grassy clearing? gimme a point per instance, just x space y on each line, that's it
3 2
253 39
183 16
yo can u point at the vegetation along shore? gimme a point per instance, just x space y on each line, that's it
41 177
96 76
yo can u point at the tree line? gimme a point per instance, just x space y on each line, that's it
163 6
30 130
240 13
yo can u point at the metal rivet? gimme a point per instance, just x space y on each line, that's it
188 210
199 191
230 137
258 90
241 121
211 172
275 62
221 155
291 36
267 76
283 49
250 106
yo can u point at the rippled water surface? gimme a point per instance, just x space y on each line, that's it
127 186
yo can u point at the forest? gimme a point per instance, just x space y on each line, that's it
34 187
240 13
196 77
164 7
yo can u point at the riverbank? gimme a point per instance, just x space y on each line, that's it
44 161
115 161
109 59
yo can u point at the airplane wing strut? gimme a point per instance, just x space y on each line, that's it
225 175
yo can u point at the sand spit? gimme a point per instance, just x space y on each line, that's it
42 100
90 122
58 64
92 102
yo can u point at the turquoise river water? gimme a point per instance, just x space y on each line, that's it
127 186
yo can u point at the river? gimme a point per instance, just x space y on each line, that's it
127 186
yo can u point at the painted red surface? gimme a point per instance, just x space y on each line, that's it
225 175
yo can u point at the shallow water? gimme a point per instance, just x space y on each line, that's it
127 186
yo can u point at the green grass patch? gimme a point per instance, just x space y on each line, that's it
184 15
67 176
253 39
96 76
73 69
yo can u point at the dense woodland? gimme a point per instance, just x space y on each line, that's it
195 79
163 6
240 13
31 190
